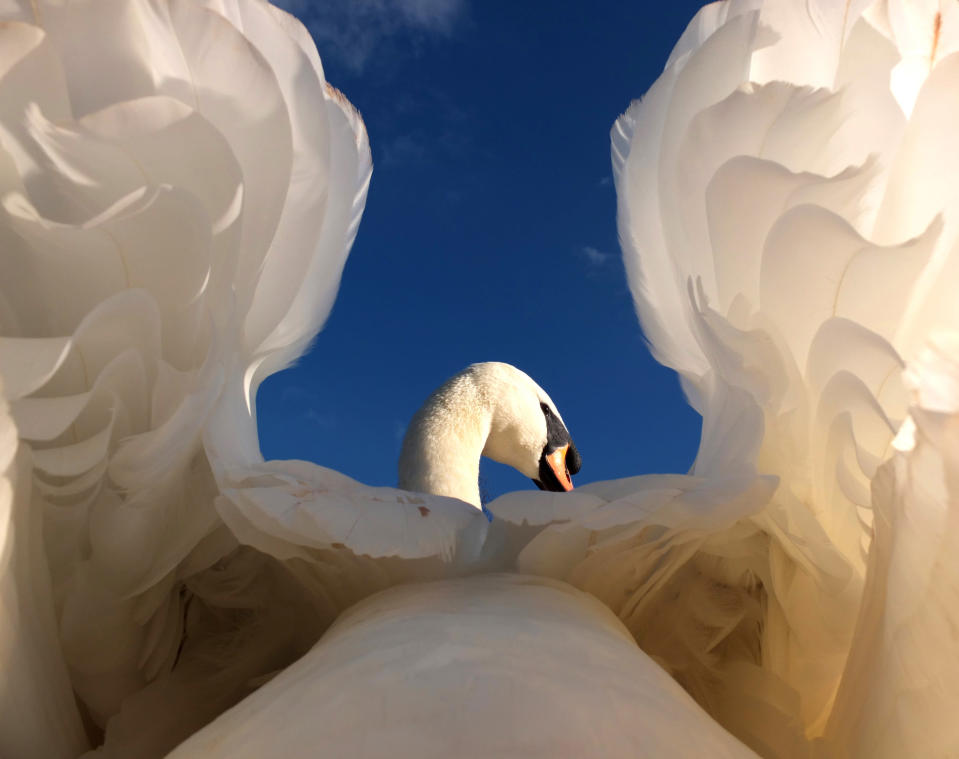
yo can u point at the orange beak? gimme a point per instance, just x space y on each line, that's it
557 462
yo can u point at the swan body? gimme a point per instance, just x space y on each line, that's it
493 665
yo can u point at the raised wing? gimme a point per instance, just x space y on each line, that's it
174 225
790 241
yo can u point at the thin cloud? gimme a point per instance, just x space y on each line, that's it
422 146
594 256
405 148
306 404
437 15
399 432
353 30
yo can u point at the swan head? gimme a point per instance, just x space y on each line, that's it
526 430
491 409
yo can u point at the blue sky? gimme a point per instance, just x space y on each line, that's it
489 232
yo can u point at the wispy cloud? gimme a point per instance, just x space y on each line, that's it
404 148
594 256
353 30
431 14
399 432
443 141
308 405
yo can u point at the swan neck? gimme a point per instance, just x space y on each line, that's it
443 444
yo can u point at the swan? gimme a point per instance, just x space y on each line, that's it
788 230
502 663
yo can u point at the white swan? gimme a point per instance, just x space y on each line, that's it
494 664
788 215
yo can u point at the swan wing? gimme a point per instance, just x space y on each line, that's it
174 225
781 261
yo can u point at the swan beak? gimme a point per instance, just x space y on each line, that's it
557 464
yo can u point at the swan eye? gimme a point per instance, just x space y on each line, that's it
545 408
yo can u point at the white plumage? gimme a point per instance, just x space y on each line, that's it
787 210
497 664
